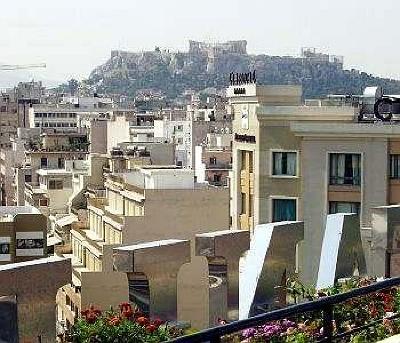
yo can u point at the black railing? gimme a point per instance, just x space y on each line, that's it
324 304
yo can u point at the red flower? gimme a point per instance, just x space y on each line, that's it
157 322
91 318
142 321
125 306
151 328
374 311
127 313
91 314
138 314
114 321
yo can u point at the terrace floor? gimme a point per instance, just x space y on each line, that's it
393 339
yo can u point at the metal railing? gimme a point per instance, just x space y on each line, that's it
325 304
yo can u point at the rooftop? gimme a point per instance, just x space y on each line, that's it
151 244
14 210
31 263
49 172
158 177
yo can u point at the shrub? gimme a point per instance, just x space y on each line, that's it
128 325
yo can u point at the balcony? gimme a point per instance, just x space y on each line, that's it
138 129
34 188
345 180
102 204
219 166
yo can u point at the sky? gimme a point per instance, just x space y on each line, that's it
72 37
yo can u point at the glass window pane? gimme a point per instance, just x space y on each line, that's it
345 169
284 163
283 210
344 207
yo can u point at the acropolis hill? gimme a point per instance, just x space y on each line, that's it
208 65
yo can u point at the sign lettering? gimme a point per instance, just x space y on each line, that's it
245 138
237 79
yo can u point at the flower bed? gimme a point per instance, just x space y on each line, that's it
357 312
130 326
127 325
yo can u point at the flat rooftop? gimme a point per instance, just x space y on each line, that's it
40 261
14 210
157 177
151 244
50 172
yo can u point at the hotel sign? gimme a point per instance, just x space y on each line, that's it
239 91
244 138
238 79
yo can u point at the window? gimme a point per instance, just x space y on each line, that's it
217 178
395 166
55 184
251 167
28 178
43 162
244 203
4 248
43 202
179 140
61 162
344 207
179 128
345 169
284 163
247 160
283 210
213 160
243 166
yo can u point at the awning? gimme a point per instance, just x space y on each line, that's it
67 220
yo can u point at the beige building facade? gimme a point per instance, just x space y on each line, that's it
23 234
150 203
296 161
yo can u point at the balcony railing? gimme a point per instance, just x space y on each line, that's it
345 180
219 165
325 304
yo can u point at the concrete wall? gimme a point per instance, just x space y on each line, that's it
117 132
36 295
98 136
104 289
27 226
178 214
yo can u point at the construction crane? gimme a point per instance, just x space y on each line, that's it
21 66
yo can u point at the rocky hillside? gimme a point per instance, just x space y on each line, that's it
204 65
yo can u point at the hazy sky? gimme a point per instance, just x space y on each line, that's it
73 37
